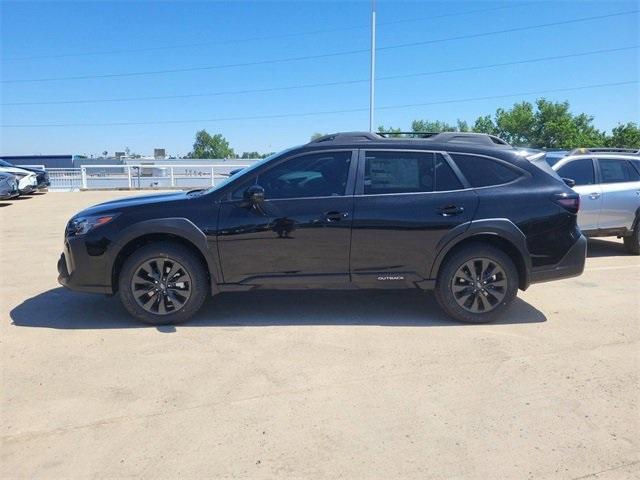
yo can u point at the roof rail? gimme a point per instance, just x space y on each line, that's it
348 137
579 151
408 134
443 137
470 137
465 137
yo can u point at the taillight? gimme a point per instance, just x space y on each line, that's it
568 201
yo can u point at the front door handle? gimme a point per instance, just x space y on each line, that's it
450 210
594 195
335 216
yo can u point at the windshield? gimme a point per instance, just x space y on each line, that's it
5 164
555 157
246 170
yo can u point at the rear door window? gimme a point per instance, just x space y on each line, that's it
617 171
484 172
580 171
398 172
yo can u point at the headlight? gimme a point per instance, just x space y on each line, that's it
83 225
19 175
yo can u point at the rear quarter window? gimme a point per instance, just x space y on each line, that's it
616 171
484 172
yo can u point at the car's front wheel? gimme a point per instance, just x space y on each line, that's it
477 283
163 283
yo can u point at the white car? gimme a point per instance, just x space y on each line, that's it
608 182
27 181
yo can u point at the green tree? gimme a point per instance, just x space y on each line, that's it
250 155
515 125
624 136
485 125
392 132
211 146
556 127
431 126
316 136
462 126
542 124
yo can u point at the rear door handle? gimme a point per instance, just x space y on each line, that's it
450 210
594 195
335 216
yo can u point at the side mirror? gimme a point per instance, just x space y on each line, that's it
254 195
570 182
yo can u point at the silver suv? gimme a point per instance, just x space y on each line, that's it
608 182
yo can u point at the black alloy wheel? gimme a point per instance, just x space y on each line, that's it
479 285
161 285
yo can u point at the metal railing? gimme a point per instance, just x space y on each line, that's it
158 176
65 179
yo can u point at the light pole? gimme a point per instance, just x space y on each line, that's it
372 85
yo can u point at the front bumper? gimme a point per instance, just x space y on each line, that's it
12 192
571 265
80 271
27 190
27 184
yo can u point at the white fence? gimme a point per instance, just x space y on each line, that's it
95 177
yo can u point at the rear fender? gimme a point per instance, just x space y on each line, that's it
502 228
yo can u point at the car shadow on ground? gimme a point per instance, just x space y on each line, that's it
600 247
60 308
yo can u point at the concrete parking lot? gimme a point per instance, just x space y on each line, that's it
313 384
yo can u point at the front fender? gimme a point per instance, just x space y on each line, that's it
175 226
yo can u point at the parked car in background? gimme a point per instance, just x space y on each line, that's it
461 213
608 182
42 177
27 181
8 186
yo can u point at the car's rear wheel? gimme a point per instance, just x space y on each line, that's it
477 283
162 283
632 242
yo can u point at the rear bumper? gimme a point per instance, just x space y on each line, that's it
571 265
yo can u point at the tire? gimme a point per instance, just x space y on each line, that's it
169 303
453 286
632 242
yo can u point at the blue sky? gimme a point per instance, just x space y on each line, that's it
53 40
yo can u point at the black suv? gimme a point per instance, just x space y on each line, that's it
466 215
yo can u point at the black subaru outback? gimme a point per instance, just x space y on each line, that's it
464 214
